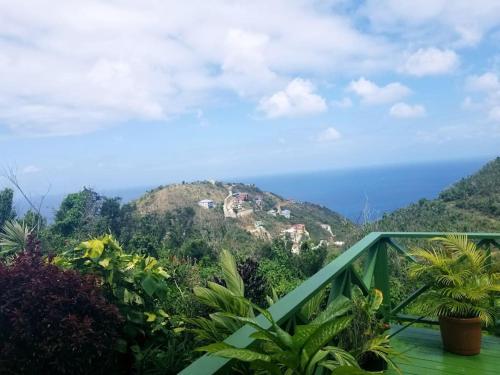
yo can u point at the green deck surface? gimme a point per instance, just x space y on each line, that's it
423 355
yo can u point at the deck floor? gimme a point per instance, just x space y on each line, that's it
423 354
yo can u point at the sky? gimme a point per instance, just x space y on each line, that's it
116 94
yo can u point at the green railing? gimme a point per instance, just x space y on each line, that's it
365 264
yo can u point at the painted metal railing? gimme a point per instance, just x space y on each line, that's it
371 256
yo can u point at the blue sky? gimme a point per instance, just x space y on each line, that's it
117 94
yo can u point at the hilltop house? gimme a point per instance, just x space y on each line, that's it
241 197
206 203
285 213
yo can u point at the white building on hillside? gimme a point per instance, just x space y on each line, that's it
206 203
285 213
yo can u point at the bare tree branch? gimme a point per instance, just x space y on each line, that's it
11 175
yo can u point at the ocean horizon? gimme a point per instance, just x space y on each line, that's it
356 193
370 191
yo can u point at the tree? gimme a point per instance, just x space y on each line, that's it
34 220
196 249
76 212
311 258
110 215
87 213
6 205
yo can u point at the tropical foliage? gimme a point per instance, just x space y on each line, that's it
228 299
365 337
303 352
135 283
6 206
53 320
461 283
162 269
13 237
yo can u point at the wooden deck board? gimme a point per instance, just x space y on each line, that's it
423 354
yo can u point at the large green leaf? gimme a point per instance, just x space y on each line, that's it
302 333
338 307
245 355
322 336
232 278
149 285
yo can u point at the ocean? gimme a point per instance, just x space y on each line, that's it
372 190
350 192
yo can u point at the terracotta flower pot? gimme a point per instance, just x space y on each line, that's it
461 336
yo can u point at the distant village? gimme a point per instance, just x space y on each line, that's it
242 204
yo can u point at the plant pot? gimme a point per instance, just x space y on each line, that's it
372 362
461 336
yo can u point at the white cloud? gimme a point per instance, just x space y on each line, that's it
487 94
431 61
85 65
245 66
458 22
486 82
329 135
298 98
406 111
342 103
370 93
30 169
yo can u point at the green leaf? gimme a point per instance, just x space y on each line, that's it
232 278
245 355
349 370
149 285
151 317
376 299
94 248
302 333
104 262
222 349
324 334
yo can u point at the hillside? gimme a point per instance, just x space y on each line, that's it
472 204
243 214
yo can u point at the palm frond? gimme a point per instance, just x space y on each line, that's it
233 280
13 237
462 283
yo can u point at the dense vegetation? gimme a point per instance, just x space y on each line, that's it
150 274
54 313
470 205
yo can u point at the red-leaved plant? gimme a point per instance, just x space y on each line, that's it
53 320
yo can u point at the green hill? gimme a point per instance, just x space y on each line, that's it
472 205
241 223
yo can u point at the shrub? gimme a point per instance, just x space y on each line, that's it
255 284
136 283
53 320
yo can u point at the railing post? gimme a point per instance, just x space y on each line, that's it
381 277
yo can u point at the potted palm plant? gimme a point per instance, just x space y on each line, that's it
461 288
